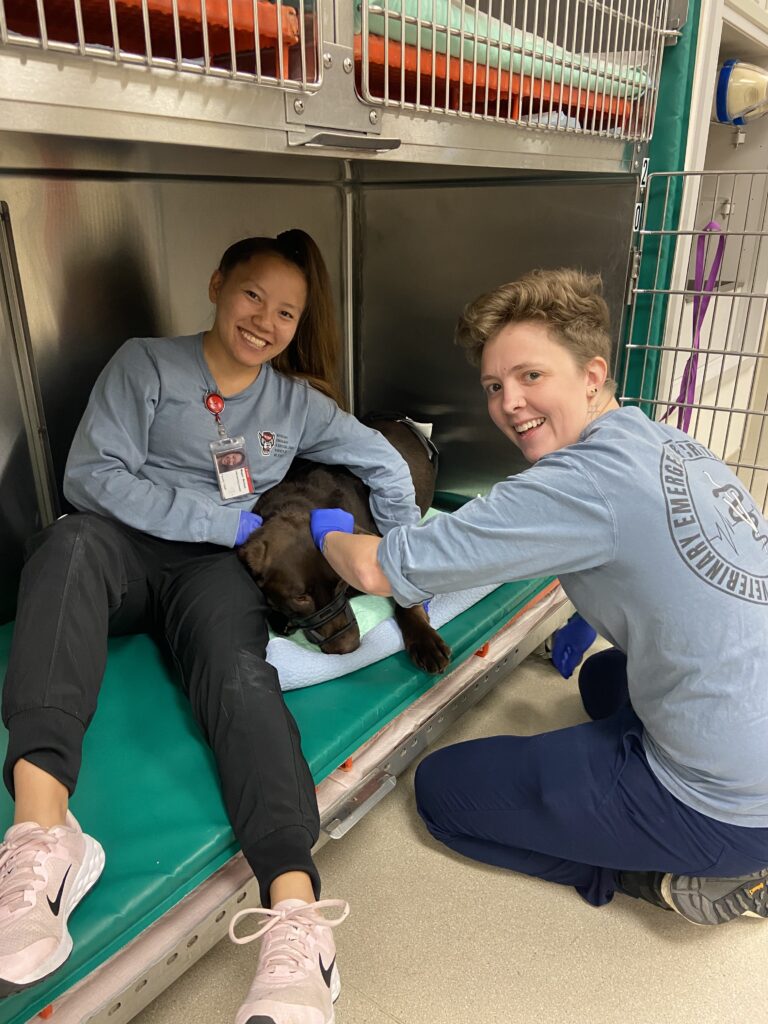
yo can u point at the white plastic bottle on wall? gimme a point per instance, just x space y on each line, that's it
741 94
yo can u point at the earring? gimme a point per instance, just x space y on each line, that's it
593 391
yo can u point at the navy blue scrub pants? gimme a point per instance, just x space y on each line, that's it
577 805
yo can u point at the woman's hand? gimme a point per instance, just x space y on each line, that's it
249 521
329 520
353 557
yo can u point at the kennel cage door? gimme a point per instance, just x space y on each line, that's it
718 373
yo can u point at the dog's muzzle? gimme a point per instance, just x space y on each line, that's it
310 624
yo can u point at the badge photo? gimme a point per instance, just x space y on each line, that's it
233 474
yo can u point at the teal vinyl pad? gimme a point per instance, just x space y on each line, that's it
149 792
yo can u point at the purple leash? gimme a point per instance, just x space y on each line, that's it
701 301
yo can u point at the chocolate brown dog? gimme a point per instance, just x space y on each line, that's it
300 587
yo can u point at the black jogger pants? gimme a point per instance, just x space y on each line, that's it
88 577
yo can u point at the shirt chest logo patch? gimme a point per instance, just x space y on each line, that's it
272 443
714 523
266 441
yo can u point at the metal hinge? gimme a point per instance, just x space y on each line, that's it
634 274
677 15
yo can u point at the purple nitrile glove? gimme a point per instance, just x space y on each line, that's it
570 643
249 521
329 520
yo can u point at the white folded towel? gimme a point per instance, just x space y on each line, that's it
300 665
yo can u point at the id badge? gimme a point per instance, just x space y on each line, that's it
230 460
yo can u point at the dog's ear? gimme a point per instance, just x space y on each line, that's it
254 554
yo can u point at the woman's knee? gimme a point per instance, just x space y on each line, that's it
62 537
236 679
432 782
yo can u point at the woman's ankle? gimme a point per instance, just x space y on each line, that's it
39 796
293 885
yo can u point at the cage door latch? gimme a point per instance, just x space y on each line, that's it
334 115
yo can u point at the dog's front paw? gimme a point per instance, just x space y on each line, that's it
429 652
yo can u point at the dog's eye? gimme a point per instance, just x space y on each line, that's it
301 601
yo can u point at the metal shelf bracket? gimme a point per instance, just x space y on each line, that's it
335 115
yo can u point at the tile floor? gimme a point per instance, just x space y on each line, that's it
435 939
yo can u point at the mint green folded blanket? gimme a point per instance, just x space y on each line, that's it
493 44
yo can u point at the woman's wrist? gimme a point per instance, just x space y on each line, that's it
355 559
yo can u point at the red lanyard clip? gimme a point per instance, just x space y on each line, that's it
214 403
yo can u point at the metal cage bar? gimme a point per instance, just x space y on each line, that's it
268 42
720 371
585 66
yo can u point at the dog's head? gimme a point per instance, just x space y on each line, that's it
300 587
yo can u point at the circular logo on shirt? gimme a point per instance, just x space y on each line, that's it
716 527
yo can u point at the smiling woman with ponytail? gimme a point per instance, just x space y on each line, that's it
180 438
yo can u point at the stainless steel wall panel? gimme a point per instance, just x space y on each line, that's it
201 218
19 514
425 253
86 254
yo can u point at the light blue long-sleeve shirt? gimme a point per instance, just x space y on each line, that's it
661 548
141 452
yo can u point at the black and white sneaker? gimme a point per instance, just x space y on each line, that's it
716 900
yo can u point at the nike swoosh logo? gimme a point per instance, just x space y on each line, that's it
55 905
326 971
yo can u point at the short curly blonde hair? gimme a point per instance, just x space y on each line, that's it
567 301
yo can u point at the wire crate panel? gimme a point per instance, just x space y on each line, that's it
269 41
585 66
696 353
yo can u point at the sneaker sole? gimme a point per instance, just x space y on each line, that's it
86 878
700 912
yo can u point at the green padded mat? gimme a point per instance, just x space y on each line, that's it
149 790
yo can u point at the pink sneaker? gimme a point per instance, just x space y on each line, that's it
297 980
44 873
